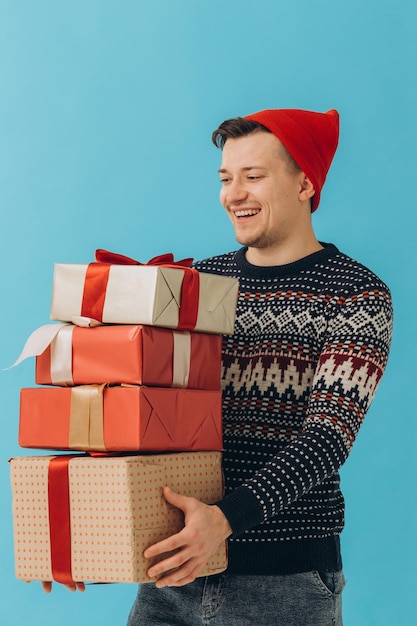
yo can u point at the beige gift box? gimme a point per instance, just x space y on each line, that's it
142 294
117 510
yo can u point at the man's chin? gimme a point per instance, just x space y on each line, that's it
248 241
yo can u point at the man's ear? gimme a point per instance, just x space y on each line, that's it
306 189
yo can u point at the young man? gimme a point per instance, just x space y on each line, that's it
311 342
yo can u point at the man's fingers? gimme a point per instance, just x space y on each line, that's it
182 556
170 563
174 498
76 587
166 545
183 576
47 586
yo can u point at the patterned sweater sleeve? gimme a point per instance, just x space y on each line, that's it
349 369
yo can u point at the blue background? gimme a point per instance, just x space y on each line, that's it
106 113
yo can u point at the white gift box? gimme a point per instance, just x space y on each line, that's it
144 294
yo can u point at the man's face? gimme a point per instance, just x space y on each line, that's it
260 195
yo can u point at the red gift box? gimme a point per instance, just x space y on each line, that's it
122 418
133 354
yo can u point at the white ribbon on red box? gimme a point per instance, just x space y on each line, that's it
59 337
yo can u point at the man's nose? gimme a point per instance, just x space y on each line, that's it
236 191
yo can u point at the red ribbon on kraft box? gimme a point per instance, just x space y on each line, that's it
59 519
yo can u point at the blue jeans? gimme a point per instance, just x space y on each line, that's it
307 599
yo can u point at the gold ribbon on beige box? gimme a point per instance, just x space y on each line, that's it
86 418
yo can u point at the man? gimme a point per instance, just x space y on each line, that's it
311 342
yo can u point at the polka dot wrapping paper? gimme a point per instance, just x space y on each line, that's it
117 509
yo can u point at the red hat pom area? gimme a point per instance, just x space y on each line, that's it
311 138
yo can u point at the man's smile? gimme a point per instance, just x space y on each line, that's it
246 212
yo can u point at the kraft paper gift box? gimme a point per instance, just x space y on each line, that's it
90 519
138 355
145 294
120 418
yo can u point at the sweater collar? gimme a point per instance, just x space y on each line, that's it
289 269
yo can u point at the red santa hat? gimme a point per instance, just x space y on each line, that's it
311 139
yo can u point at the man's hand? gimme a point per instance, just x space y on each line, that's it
205 529
47 586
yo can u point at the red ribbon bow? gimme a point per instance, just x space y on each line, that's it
98 274
104 256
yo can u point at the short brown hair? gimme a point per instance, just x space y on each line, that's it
240 127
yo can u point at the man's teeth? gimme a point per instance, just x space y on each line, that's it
247 212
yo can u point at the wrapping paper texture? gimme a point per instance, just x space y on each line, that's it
117 510
132 354
132 418
145 295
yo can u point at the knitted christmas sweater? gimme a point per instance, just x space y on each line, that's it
310 345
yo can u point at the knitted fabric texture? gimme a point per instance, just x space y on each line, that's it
311 138
310 345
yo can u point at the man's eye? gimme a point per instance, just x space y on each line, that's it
253 177
224 180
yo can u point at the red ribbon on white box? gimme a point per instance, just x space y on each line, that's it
97 276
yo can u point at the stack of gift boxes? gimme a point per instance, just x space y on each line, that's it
134 397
